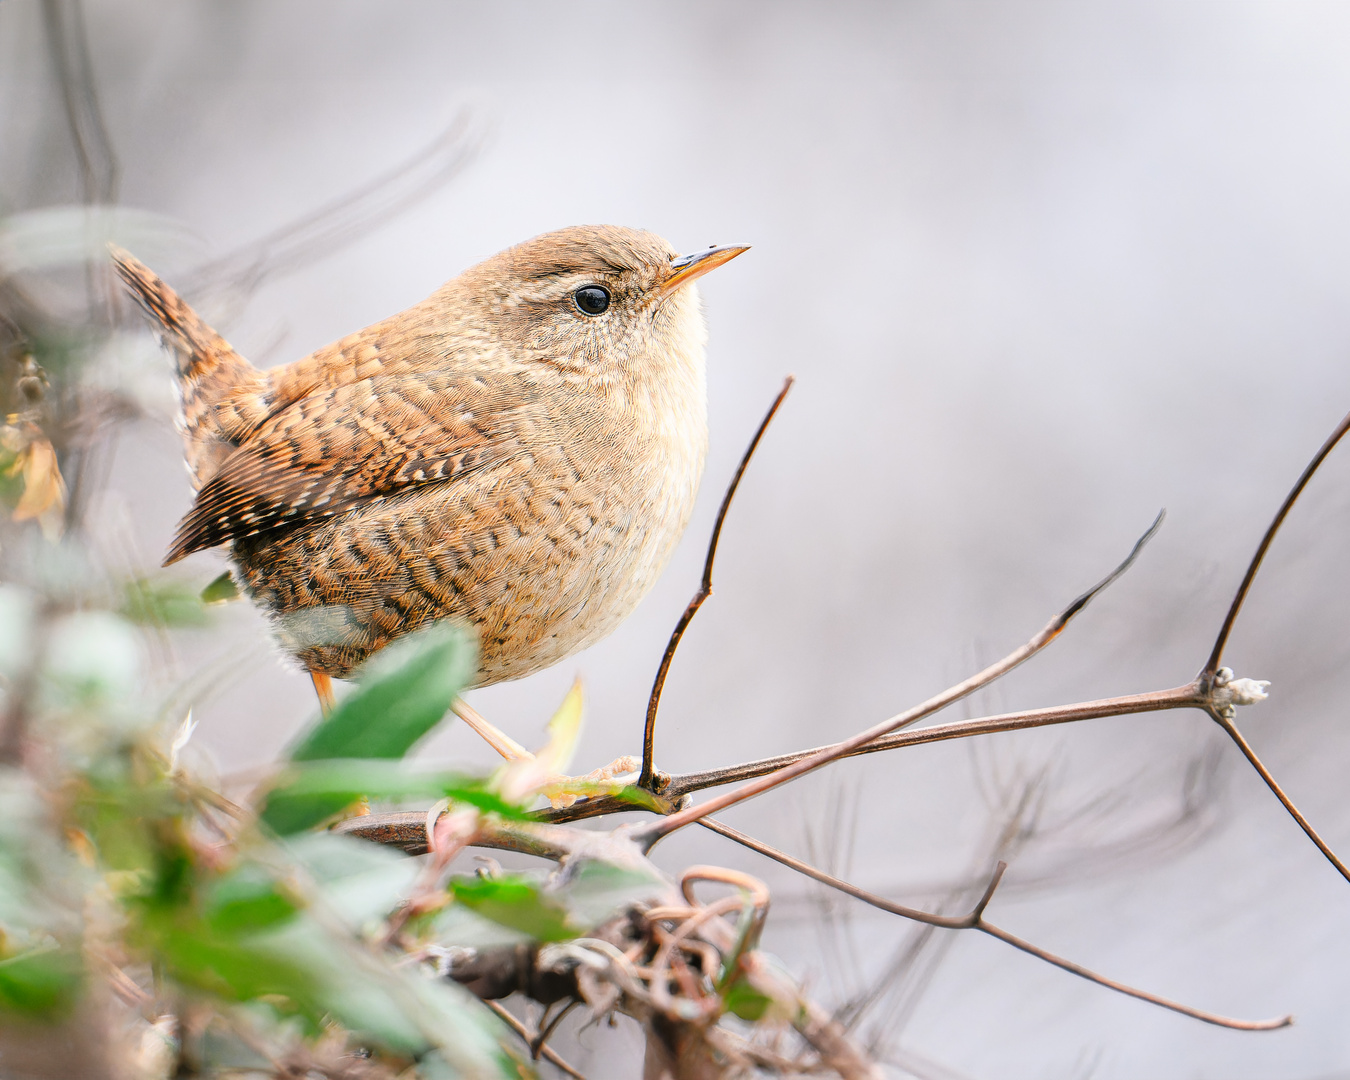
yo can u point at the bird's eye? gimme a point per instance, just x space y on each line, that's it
592 299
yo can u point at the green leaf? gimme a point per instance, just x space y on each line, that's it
40 982
356 879
594 891
403 693
515 901
222 590
247 898
311 792
745 1001
162 602
304 969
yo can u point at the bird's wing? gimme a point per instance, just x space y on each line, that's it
355 444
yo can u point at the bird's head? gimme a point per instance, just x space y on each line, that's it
597 299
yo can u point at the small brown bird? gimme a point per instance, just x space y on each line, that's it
520 451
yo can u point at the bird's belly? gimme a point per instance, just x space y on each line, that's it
540 570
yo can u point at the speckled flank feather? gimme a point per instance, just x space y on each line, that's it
492 455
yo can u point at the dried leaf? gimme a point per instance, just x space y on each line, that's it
44 491
519 779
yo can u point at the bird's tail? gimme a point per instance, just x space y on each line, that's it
214 381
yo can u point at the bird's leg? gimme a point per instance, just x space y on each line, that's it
560 790
323 686
492 735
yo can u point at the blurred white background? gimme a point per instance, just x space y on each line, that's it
1041 269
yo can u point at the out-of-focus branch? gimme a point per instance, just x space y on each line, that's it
68 44
974 920
645 777
1052 630
348 217
547 1052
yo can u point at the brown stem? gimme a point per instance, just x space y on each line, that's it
1216 655
539 1043
647 775
1052 630
1123 988
1180 697
947 922
974 920
549 1054
406 829
1231 730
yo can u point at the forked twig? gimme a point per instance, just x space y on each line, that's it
655 831
1212 665
647 775
540 1042
1208 675
974 920
547 1052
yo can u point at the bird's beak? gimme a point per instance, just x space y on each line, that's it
688 268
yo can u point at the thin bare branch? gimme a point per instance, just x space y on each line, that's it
1232 732
947 922
646 776
1181 697
547 1052
348 217
68 44
1052 630
539 1044
974 920
1216 655
683 784
1130 991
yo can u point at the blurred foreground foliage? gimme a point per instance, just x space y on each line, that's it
152 927
155 924
239 936
270 937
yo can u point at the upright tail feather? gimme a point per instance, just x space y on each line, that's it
222 394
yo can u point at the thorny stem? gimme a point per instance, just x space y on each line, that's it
1052 630
1212 665
647 775
974 920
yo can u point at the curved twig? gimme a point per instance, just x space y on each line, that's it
647 775
1216 655
974 920
1052 629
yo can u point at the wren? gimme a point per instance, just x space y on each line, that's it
519 452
